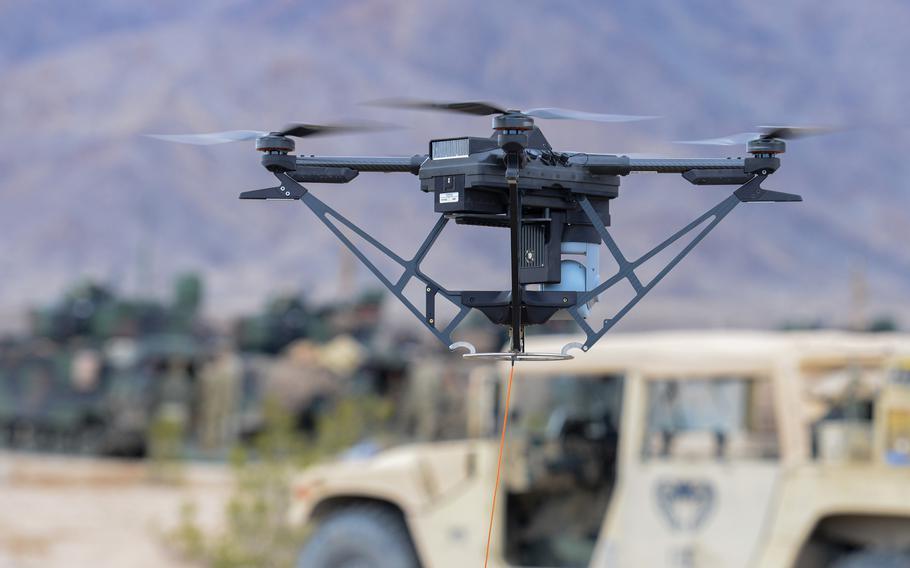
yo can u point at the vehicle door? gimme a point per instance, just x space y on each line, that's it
701 475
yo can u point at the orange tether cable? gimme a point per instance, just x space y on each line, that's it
502 443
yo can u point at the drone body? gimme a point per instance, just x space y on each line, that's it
555 205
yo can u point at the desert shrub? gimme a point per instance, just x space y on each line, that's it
256 531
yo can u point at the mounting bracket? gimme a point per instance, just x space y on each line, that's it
751 191
290 189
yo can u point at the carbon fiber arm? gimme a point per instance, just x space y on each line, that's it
622 165
366 163
749 192
341 227
596 163
678 166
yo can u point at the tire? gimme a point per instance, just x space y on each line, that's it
873 559
362 536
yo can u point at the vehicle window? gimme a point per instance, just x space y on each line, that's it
433 405
900 374
840 401
542 406
712 418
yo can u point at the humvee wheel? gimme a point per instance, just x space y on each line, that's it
361 536
873 559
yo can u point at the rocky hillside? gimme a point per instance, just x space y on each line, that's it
83 194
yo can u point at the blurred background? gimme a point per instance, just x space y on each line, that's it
147 315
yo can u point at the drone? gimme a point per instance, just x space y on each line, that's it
555 206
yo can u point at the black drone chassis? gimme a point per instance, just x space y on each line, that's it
518 306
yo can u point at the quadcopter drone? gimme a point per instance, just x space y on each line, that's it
555 205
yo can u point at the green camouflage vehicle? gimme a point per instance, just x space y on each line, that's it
91 400
50 398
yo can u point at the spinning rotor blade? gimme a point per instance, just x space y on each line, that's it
210 138
477 108
794 132
297 130
732 140
480 108
779 132
568 114
300 130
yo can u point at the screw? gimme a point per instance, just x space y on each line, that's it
282 188
428 289
584 348
432 320
764 172
565 300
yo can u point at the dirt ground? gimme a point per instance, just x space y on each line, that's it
82 512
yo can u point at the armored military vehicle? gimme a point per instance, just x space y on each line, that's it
98 367
682 450
50 398
82 398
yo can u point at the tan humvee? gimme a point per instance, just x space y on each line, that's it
685 449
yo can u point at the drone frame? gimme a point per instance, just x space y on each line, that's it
289 188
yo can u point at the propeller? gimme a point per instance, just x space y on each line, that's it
297 130
479 108
765 132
